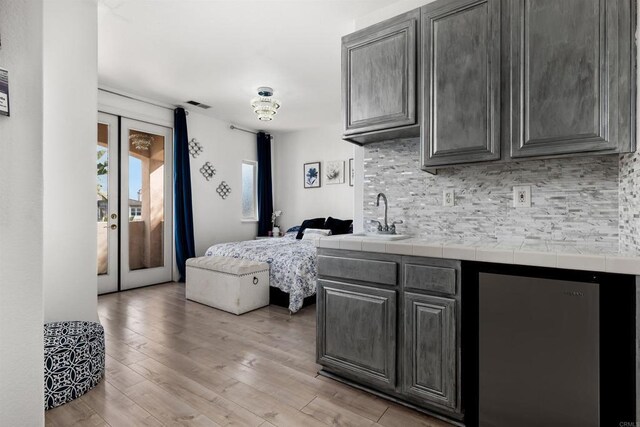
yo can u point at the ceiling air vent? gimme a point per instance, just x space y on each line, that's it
199 104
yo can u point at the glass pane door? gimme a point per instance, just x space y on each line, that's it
107 203
146 202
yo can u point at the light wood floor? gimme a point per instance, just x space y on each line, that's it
176 362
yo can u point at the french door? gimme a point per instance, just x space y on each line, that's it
107 203
134 204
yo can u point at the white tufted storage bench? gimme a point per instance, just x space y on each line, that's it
230 284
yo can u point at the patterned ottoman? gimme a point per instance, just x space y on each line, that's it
73 360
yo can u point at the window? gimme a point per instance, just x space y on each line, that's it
249 190
135 212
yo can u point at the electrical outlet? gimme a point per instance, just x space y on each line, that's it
448 198
522 196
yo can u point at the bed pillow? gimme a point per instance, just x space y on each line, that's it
338 226
293 231
314 233
309 223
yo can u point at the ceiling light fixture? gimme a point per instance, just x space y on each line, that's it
141 141
264 105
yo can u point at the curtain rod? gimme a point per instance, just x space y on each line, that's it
234 127
140 100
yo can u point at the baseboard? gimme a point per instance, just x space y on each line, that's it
338 378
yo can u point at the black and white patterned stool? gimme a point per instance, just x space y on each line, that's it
73 360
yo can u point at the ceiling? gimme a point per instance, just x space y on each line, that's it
219 51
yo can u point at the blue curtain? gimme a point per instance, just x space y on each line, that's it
265 194
185 244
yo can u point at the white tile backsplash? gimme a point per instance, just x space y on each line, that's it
629 207
575 201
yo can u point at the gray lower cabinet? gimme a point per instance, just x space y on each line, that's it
357 332
391 324
430 350
572 76
461 74
373 271
379 85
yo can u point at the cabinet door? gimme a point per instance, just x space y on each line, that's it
357 332
461 82
430 357
570 76
379 75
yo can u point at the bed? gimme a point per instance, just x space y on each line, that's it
293 264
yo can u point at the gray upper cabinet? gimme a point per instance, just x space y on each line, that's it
379 80
357 332
496 80
460 51
430 350
571 77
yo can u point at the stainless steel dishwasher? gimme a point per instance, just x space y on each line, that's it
538 352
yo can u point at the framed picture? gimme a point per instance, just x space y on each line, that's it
334 172
4 92
352 173
312 175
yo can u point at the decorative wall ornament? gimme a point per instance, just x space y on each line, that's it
207 170
334 172
195 148
312 176
223 190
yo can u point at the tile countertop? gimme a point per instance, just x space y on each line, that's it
535 253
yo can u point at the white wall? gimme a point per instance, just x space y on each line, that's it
21 314
216 220
292 151
389 11
70 117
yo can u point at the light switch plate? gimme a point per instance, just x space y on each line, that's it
522 196
448 198
4 92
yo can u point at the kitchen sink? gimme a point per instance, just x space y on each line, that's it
376 236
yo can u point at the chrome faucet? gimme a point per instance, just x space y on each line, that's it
386 228
386 208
